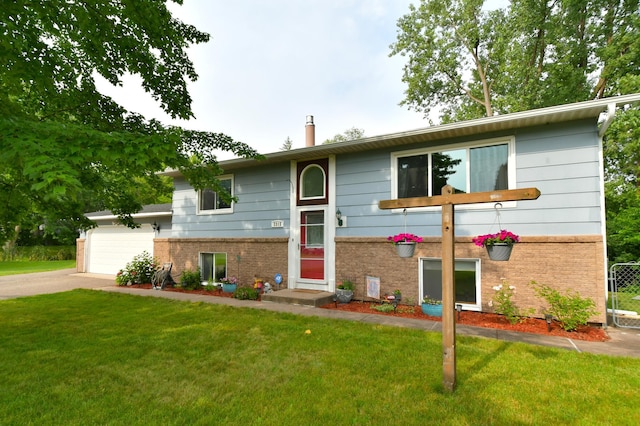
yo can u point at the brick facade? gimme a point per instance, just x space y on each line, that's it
571 262
259 257
80 263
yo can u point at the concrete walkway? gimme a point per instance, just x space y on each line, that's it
624 341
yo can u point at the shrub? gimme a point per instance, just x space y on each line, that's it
138 271
246 293
190 279
570 309
385 307
37 253
503 304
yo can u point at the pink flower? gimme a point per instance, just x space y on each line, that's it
503 236
404 238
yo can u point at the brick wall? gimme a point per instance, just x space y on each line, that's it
259 257
80 243
572 262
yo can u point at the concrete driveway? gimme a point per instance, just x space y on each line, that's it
13 286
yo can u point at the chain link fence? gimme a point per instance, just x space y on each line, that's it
624 292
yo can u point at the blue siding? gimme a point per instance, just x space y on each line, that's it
560 160
263 196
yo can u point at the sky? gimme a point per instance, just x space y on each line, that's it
270 63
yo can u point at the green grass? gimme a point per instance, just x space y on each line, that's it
28 267
88 357
625 301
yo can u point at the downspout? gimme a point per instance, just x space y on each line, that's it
611 113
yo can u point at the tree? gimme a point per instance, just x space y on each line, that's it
287 145
66 147
472 63
348 135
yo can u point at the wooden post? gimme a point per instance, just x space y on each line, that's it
448 295
447 200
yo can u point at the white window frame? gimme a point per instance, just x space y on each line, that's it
511 168
224 210
324 183
466 306
213 253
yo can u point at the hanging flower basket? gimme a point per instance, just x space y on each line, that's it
499 251
498 245
405 243
406 249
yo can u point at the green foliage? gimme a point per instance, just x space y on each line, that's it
469 63
66 148
138 271
384 307
570 309
246 293
503 304
38 253
347 285
348 135
190 279
622 178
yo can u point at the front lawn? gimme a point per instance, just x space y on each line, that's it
30 266
89 357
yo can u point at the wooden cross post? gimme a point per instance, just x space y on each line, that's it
448 200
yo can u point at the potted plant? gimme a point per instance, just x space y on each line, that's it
498 245
229 284
431 307
344 292
405 243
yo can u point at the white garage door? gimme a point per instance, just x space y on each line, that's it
110 248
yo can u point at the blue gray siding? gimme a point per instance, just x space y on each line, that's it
561 161
263 196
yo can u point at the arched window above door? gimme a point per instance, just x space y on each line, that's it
312 187
312 183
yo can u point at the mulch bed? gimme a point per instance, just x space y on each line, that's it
478 319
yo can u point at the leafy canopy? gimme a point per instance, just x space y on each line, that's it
66 148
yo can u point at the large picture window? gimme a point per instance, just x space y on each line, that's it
210 201
213 266
467 276
469 169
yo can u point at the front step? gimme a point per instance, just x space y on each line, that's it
315 298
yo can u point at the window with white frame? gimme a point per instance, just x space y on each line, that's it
312 180
209 201
467 278
471 168
213 266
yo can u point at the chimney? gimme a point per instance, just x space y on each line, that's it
310 130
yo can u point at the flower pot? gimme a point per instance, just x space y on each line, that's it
405 249
344 296
499 251
432 310
229 288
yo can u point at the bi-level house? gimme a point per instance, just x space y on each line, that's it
311 214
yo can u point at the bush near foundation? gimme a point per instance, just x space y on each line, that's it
570 309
